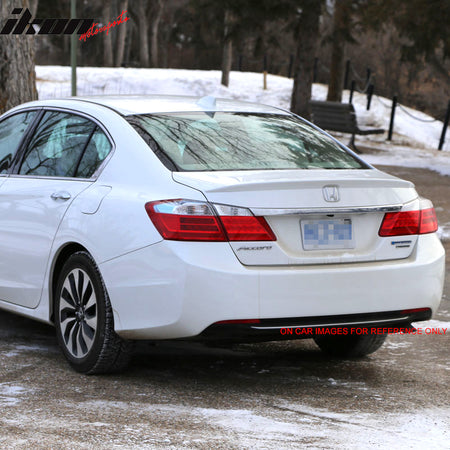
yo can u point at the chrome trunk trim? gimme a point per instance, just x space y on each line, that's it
301 211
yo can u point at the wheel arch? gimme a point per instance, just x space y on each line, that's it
60 258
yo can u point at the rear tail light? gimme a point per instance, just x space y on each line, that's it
188 220
409 222
428 221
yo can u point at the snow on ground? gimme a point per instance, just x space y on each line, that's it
409 156
289 424
10 394
444 232
435 324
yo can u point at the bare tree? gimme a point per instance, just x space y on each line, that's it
142 7
227 49
34 6
108 59
121 35
17 74
340 35
307 38
157 11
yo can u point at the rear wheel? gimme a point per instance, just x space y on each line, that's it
84 319
350 346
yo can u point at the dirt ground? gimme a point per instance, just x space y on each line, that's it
284 395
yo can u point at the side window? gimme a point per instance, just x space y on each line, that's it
95 153
57 145
12 130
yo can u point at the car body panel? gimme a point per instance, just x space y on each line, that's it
29 221
219 184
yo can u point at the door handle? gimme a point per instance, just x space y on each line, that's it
61 195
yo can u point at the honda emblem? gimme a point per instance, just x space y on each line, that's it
331 193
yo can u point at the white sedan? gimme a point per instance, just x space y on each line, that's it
126 218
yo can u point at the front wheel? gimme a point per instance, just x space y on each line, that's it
84 319
350 346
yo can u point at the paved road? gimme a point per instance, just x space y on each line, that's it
284 395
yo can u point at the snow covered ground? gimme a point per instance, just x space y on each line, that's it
414 142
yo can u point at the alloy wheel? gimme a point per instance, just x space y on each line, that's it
78 313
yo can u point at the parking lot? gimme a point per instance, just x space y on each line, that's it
284 395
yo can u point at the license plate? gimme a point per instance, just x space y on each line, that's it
327 234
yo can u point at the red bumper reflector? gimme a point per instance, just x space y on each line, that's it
416 310
238 321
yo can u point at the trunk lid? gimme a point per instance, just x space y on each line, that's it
318 216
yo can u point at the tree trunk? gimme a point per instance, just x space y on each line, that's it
341 24
159 6
108 59
121 35
227 50
337 66
165 33
33 7
143 33
17 75
307 38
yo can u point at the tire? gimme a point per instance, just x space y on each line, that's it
84 319
350 346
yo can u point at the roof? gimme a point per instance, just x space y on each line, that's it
147 104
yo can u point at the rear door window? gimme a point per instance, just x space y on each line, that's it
65 145
57 145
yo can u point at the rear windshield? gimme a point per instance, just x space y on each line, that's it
200 141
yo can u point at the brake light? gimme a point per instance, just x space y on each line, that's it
187 220
409 222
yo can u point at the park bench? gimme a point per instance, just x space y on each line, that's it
335 116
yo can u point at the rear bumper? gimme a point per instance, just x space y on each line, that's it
387 322
178 289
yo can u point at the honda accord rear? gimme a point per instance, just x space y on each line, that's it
292 230
226 221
